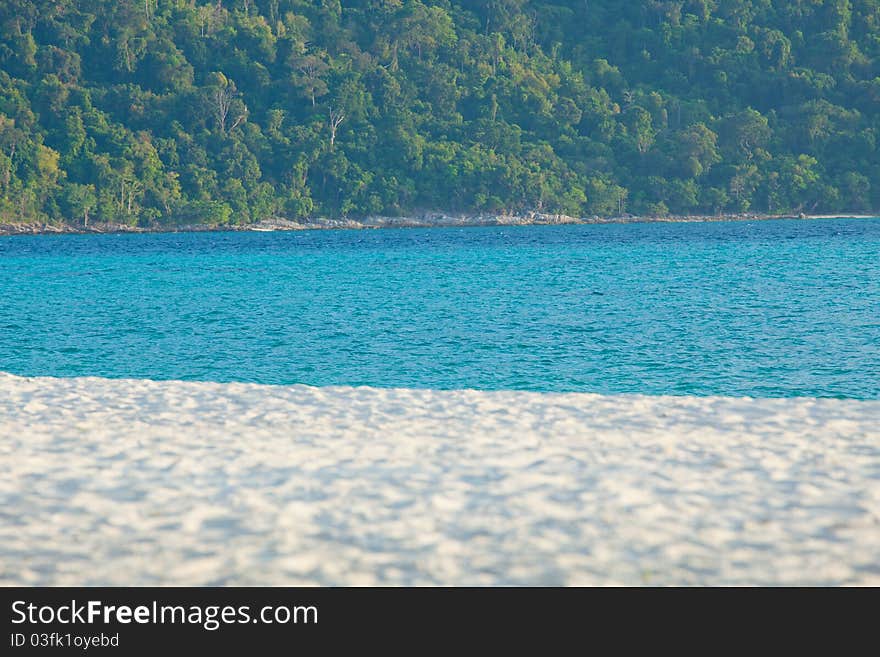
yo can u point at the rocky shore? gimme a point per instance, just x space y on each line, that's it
415 220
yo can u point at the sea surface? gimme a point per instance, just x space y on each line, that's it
764 309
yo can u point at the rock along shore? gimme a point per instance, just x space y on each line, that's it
415 220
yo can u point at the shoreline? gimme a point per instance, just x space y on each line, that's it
416 220
136 482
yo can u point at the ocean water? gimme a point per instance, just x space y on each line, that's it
770 309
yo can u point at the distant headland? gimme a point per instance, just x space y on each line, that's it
170 115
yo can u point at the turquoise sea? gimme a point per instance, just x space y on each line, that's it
773 308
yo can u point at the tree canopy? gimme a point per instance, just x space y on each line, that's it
160 112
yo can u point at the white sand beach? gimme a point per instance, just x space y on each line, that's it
106 482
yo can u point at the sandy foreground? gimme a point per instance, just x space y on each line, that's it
107 482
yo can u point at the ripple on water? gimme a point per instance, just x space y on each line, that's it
778 308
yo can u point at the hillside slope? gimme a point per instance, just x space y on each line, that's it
160 112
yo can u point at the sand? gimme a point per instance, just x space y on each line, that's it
106 482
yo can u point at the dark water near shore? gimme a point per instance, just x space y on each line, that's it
773 308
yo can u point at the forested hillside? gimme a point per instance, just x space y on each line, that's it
230 111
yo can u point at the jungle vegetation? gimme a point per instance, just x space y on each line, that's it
161 112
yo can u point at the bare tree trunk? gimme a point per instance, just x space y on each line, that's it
222 100
236 123
336 118
134 186
8 173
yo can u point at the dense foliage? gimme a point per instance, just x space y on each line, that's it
170 111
